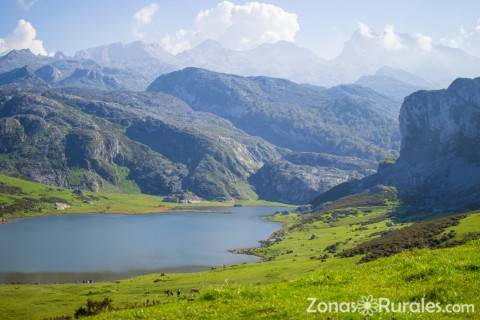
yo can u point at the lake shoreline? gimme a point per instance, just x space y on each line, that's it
203 208
45 277
262 243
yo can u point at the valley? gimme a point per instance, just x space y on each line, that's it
109 140
259 161
298 265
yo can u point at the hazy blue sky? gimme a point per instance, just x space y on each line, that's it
322 25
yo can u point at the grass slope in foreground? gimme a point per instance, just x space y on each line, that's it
22 198
303 261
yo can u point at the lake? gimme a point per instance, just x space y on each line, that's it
100 247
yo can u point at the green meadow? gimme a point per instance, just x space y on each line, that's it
302 261
21 198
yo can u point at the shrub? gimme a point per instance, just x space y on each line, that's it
7 189
418 235
93 307
24 204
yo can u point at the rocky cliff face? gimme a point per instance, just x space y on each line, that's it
434 124
45 140
439 164
440 153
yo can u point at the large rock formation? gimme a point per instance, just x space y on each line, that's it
439 164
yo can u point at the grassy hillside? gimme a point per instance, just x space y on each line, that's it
22 198
302 261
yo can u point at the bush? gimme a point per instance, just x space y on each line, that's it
418 235
23 204
93 308
7 189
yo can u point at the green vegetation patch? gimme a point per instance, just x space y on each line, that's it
418 235
8 189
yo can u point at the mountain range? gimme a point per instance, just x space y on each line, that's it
162 142
365 55
362 55
216 123
345 120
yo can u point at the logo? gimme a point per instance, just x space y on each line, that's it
369 305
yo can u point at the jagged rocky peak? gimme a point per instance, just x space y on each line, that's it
21 53
19 58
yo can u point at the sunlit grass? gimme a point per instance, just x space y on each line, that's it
278 288
100 202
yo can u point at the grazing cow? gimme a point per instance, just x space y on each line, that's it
194 290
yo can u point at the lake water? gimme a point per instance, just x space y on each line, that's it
64 248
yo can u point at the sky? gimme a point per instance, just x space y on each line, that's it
47 26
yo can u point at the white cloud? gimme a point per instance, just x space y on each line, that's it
458 40
452 43
237 26
365 30
424 42
26 4
143 18
176 43
23 37
3 46
390 38
468 41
